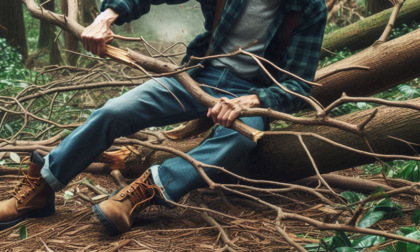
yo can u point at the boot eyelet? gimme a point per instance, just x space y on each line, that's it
122 194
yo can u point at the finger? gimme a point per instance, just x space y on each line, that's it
92 46
225 117
222 113
215 111
232 117
101 48
209 112
85 43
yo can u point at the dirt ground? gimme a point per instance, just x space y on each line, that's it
74 228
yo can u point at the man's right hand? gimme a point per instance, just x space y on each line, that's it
98 34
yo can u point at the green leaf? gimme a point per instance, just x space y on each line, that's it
344 249
314 247
15 157
412 246
405 246
370 218
416 217
7 126
410 171
406 230
389 207
352 197
23 233
367 241
341 239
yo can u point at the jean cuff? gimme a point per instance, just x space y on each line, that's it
51 180
156 179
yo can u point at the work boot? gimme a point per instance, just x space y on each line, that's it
31 198
118 213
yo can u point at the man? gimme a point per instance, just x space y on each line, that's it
289 33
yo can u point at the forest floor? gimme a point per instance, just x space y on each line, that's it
74 227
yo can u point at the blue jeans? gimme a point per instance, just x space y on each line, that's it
147 105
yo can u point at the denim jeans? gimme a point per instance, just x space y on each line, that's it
151 104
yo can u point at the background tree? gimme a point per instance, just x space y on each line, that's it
375 6
46 40
89 10
71 43
12 26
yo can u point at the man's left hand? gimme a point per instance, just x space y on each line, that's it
226 111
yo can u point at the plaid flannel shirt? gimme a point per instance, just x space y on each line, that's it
300 56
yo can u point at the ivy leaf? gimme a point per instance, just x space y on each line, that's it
371 218
15 157
23 232
416 217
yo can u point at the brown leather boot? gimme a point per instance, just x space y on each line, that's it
31 198
118 213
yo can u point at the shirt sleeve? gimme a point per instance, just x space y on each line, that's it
129 10
302 56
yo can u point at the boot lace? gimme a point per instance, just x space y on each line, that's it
140 193
26 186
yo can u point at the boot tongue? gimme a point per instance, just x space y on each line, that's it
35 166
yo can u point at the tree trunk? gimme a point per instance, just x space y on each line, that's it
47 37
365 32
70 41
390 64
283 158
375 6
12 26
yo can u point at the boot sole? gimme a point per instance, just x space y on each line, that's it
44 212
109 226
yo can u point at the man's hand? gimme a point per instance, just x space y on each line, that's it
226 111
96 35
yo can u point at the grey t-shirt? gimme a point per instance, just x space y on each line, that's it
252 25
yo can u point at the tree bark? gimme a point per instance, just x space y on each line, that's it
12 26
70 41
365 32
283 158
390 64
47 37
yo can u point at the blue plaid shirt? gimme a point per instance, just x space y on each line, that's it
300 56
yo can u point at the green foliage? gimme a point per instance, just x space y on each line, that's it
403 29
11 67
408 170
342 243
416 217
330 27
384 209
378 209
353 197
23 232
